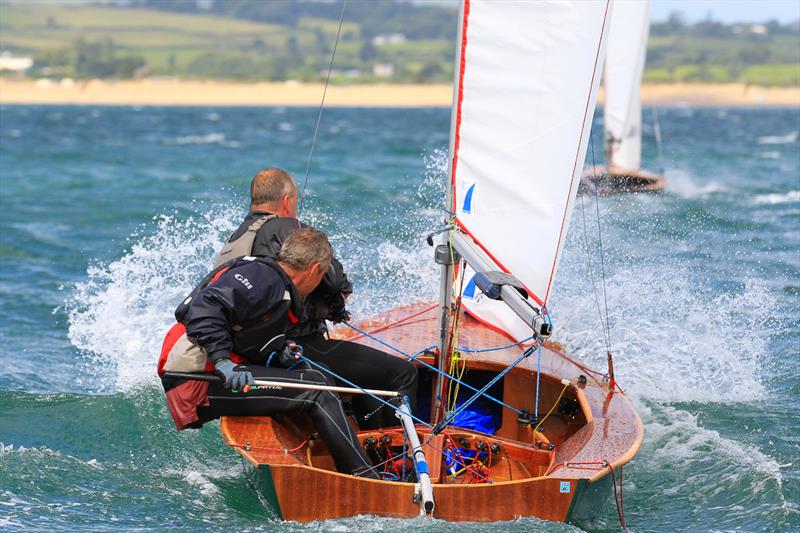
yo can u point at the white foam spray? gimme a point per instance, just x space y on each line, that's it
118 316
681 183
673 341
777 198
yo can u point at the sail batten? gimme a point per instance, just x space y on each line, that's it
526 92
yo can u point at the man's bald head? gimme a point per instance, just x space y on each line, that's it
273 190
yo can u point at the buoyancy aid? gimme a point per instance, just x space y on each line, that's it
326 301
253 343
242 246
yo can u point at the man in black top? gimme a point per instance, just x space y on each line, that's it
273 195
225 322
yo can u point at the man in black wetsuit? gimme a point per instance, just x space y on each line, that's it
234 324
272 218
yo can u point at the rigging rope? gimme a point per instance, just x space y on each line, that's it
659 147
431 367
619 501
367 393
321 106
548 412
604 321
452 416
457 365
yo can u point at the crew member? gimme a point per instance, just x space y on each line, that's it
234 324
272 218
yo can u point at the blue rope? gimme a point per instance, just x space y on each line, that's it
452 416
431 367
337 376
538 374
468 350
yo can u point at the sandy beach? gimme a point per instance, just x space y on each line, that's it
186 92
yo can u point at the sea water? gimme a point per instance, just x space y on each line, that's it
109 215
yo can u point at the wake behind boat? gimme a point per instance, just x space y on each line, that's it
507 424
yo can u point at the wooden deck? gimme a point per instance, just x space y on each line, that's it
614 432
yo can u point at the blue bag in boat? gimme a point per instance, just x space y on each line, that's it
476 419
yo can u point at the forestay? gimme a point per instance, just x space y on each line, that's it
526 92
627 47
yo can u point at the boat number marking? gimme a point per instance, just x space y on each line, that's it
564 489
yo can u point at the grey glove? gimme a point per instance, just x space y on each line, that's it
290 354
235 377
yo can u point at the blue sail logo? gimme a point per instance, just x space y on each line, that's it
469 290
467 207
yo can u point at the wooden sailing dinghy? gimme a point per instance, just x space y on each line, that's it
558 433
627 48
564 474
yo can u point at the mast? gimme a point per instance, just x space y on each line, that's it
446 278
524 98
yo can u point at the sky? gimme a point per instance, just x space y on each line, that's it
728 11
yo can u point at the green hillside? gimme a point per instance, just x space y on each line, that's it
380 41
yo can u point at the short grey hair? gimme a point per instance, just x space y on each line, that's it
304 247
270 185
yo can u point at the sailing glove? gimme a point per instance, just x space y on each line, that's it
289 355
235 376
339 314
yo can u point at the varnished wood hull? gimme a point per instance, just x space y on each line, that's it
327 495
569 483
619 181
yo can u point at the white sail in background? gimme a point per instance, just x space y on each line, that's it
526 90
627 47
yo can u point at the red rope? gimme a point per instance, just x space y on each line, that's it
600 465
275 450
618 499
582 366
588 465
398 322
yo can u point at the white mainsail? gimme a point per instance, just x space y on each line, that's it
526 90
627 47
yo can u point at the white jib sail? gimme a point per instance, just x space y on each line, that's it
627 47
527 86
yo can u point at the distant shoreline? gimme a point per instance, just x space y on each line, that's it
173 92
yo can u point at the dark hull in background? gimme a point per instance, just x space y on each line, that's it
619 181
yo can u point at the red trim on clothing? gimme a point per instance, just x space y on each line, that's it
218 274
174 333
576 162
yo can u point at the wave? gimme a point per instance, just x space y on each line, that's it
712 477
777 198
211 138
789 138
681 183
676 344
118 315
